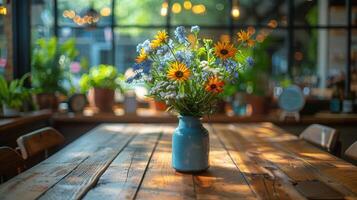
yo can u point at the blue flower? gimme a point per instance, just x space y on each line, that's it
143 66
146 66
250 61
139 47
184 57
145 45
163 50
195 29
167 58
137 76
230 65
180 34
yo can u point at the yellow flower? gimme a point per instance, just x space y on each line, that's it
141 57
224 50
160 38
178 72
244 36
214 84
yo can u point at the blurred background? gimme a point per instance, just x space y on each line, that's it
74 57
305 42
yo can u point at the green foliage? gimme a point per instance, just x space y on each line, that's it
253 79
312 44
102 76
14 94
49 61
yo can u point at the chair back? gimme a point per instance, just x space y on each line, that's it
351 152
11 163
320 135
39 141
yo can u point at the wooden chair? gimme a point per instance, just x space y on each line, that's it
351 152
11 163
39 141
322 136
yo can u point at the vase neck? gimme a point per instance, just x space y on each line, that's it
190 122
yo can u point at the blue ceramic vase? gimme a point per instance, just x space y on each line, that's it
190 146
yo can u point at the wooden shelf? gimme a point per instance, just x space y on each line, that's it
148 116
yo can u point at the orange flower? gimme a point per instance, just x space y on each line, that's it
214 84
245 37
178 72
141 57
224 50
160 38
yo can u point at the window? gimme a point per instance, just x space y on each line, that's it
3 39
294 29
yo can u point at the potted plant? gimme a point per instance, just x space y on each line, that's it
189 76
100 83
49 60
253 85
13 95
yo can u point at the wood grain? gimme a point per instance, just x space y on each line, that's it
77 183
277 150
263 178
160 180
247 161
222 180
37 180
124 175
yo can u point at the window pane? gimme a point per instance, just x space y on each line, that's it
354 60
78 13
3 45
140 12
305 57
200 12
322 12
94 45
126 40
260 12
337 50
337 12
42 19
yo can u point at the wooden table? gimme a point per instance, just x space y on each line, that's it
248 161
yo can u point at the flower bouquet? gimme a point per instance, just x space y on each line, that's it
189 74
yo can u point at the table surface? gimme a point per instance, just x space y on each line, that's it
133 161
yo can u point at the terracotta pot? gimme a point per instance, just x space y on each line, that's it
260 104
101 98
158 105
47 101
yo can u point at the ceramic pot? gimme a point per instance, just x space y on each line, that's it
190 146
47 101
260 104
10 112
101 98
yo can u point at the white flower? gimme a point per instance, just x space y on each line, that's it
171 87
203 64
195 29
211 69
